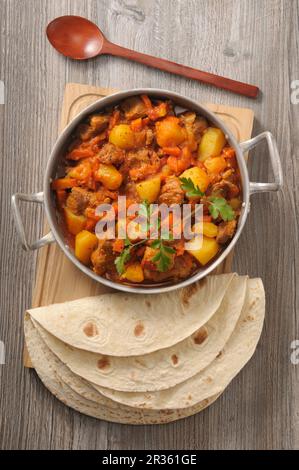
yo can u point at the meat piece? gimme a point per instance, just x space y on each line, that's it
85 132
182 267
226 231
134 108
229 175
138 156
97 123
135 159
143 164
149 137
171 192
78 200
111 155
199 126
188 117
154 158
130 191
224 188
100 196
147 262
195 124
103 258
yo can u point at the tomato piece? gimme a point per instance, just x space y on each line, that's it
136 125
174 151
63 183
118 245
80 153
61 195
146 101
228 152
158 111
179 164
114 119
90 214
90 224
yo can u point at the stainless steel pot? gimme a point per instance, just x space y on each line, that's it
46 197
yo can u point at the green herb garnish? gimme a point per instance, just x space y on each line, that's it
162 257
219 205
190 188
124 257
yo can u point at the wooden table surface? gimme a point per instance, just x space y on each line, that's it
250 40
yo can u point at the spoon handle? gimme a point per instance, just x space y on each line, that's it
241 88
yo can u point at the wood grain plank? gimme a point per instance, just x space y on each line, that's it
254 41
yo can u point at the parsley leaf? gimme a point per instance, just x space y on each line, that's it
190 188
122 259
162 257
219 205
156 244
125 255
127 242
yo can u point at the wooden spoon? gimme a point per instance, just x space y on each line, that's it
79 38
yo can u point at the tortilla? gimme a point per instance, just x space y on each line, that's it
75 393
160 369
216 377
131 325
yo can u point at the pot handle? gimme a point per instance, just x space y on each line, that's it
275 162
35 197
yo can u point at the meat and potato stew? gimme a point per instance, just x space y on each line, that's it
143 150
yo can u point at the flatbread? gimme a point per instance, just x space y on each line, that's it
216 377
75 393
132 325
160 369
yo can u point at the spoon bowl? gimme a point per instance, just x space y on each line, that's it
75 37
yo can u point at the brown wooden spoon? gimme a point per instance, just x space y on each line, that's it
79 38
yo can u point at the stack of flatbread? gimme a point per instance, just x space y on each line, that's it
147 359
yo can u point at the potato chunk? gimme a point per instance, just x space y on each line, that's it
122 136
169 132
215 165
75 223
133 273
85 243
208 229
198 177
148 190
109 176
211 144
207 252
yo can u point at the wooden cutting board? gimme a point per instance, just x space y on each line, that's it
57 279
